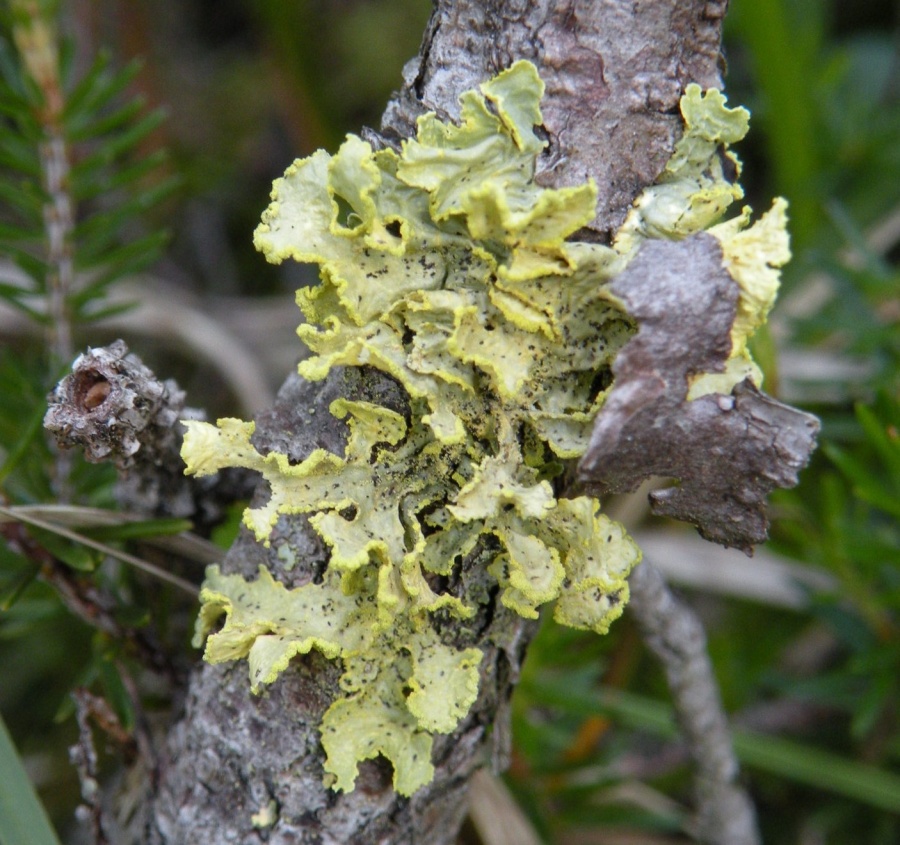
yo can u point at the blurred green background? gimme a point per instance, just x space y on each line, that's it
806 646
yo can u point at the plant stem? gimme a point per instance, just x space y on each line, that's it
36 39
59 221
84 756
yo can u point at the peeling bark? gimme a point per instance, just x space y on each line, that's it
728 452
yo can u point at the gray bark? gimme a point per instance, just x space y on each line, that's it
614 74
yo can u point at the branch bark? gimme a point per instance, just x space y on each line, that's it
614 74
247 769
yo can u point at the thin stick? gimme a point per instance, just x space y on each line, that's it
83 755
136 562
671 630
59 221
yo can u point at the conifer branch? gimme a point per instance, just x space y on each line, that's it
36 40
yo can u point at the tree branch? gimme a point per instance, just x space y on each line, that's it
614 77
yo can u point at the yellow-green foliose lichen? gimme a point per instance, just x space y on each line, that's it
448 268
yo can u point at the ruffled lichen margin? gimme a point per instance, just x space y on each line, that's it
448 268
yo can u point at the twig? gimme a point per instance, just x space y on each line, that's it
725 813
84 757
59 222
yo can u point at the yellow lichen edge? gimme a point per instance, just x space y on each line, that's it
753 255
448 268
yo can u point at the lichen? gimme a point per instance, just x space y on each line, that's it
447 267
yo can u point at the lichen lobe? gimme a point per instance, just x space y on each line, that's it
447 268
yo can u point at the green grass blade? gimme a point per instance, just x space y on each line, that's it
786 758
783 55
23 820
821 769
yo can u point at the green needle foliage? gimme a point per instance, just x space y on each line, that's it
79 177
108 182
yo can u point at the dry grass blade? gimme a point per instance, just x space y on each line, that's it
186 545
136 562
495 814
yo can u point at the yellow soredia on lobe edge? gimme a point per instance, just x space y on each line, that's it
448 268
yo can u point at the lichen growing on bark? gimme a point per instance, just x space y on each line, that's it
448 268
